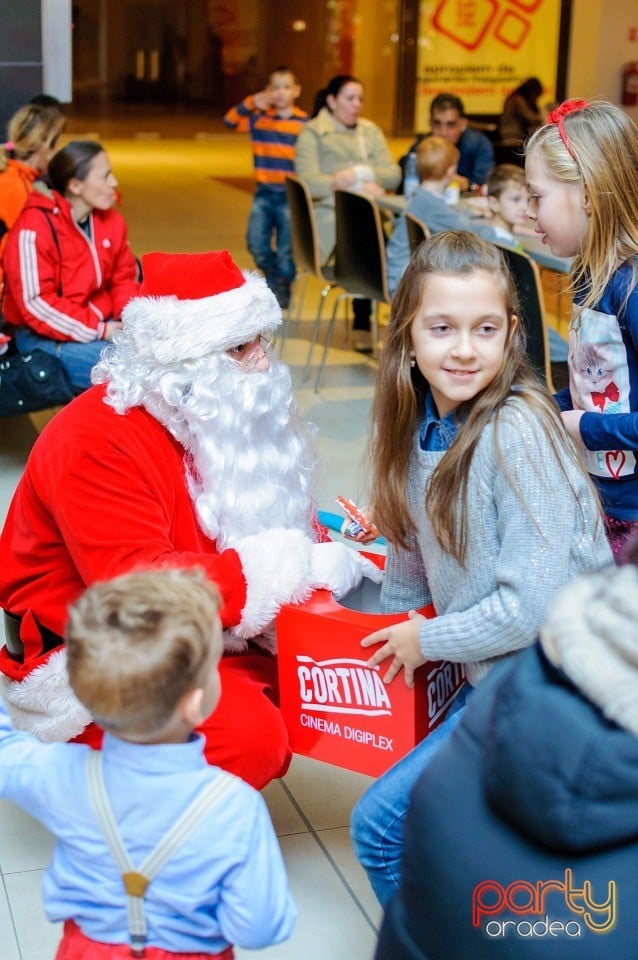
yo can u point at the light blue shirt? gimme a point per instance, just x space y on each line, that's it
226 884
438 216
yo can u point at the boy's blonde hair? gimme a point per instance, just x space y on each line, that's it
136 644
32 127
604 158
501 176
434 157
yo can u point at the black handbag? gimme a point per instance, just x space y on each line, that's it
32 381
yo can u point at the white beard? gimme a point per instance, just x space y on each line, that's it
249 456
251 462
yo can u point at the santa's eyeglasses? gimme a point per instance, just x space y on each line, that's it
247 355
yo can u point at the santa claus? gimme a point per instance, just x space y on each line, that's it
188 450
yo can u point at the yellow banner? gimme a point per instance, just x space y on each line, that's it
480 50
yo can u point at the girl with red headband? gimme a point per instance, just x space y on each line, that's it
582 177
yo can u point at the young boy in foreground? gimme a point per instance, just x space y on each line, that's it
142 653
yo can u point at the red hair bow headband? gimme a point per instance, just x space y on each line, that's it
558 115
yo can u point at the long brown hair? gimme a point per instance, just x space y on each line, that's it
401 389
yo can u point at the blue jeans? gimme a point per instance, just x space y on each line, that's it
269 238
376 827
77 359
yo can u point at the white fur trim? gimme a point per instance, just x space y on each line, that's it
276 565
170 330
43 703
590 632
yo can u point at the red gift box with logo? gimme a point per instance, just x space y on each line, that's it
336 708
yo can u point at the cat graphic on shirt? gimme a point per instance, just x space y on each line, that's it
596 373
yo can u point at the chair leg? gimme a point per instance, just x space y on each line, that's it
331 326
315 329
375 329
298 293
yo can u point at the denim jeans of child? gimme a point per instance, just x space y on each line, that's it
376 828
269 240
77 359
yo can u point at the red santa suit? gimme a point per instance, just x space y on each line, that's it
106 490
103 494
109 488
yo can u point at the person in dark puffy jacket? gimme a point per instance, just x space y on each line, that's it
522 834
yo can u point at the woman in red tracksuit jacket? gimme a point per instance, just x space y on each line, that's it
69 269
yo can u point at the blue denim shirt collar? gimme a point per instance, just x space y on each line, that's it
437 433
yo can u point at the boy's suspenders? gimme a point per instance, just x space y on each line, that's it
136 881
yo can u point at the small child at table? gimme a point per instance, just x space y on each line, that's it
142 656
436 164
507 202
507 199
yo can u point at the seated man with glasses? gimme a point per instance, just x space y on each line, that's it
476 153
189 450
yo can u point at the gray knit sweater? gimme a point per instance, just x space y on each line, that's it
517 557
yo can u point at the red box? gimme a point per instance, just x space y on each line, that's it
336 708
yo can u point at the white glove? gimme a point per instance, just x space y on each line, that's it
335 567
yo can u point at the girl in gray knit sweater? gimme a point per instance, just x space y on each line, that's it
480 492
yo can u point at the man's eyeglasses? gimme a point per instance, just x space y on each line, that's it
247 355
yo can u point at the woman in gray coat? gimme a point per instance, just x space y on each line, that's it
338 150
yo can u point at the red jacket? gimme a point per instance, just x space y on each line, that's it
16 183
101 494
58 281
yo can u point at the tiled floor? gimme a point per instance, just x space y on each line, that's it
172 201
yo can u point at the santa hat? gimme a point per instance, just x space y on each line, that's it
191 305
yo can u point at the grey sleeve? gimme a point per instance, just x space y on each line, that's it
308 164
405 585
386 171
537 521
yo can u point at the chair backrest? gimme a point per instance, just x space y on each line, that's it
360 246
530 294
305 241
417 231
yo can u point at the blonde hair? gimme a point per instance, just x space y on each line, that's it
604 158
401 389
434 157
501 176
136 644
32 127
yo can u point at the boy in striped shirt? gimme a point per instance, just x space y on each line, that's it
274 123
